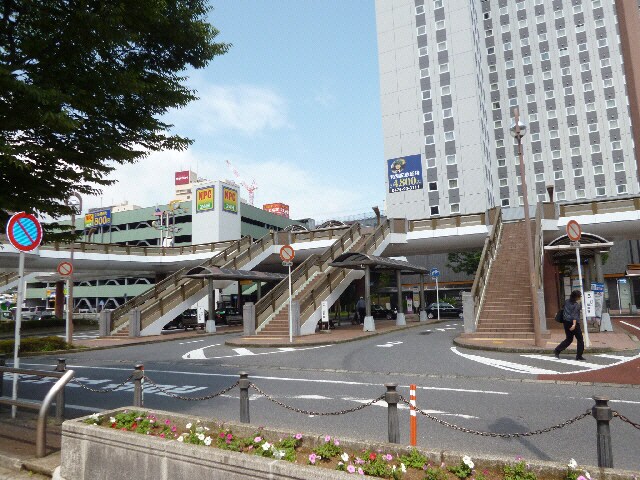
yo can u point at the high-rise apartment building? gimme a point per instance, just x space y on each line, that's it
451 73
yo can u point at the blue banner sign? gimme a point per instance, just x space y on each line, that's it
98 218
405 173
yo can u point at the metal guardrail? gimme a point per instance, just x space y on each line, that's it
484 268
145 251
55 392
453 221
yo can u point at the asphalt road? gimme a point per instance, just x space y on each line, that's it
477 390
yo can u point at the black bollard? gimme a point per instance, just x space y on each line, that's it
3 363
601 411
243 384
392 398
138 391
61 367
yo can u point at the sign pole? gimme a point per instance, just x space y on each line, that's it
584 312
619 299
69 322
438 298
290 312
16 347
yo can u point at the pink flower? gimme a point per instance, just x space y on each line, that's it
221 434
228 440
388 457
327 438
351 469
162 435
229 437
174 429
312 458
336 443
167 422
359 461
360 471
298 436
257 439
582 477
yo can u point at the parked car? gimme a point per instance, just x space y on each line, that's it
187 319
32 313
228 315
48 314
5 315
446 310
378 311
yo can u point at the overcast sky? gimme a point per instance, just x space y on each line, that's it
294 105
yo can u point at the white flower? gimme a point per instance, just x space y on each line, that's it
393 469
112 419
573 464
403 469
201 437
180 438
266 446
467 461
95 417
188 425
207 441
278 454
345 457
586 474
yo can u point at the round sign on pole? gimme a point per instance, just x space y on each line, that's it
24 232
65 269
287 254
435 272
574 231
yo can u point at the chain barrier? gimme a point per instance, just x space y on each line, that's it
101 390
190 399
316 414
626 420
498 435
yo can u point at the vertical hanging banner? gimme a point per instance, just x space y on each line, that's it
204 199
598 292
229 200
405 173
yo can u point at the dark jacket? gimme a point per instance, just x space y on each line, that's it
571 311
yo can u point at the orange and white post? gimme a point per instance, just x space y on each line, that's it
412 411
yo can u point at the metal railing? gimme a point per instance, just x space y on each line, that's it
7 278
144 251
484 267
453 221
56 392
600 207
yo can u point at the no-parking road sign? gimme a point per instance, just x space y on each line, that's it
574 231
65 269
24 232
287 253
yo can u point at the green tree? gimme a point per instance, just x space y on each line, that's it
83 87
466 262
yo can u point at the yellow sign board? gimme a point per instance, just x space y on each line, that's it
204 199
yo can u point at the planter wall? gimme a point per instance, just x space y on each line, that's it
94 453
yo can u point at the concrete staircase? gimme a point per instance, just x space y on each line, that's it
507 311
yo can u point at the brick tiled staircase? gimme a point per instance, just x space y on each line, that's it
279 325
507 311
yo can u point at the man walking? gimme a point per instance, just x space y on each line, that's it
571 316
361 307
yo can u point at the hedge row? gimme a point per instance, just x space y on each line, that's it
35 344
10 326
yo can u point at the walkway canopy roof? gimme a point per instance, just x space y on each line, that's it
216 273
358 261
589 244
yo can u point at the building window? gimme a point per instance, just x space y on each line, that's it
595 148
590 107
439 24
577 172
542 37
446 90
511 82
539 177
558 14
449 136
433 186
547 75
446 113
580 28
537 157
488 33
602 42
504 202
516 160
598 169
571 111
596 4
605 62
419 9
513 102
528 79
508 64
487 15
490 50
555 154
560 196
566 71
423 52
427 117
442 46
431 163
611 103
551 114
540 19
613 124
593 127
496 105
428 140
553 134
426 94
618 167
601 191
561 33
455 208
502 162
557 175
524 42
580 193
582 47
504 11
535 137
549 94
526 60
533 117
617 145
573 130
493 68
424 72
507 46
437 4
575 152
568 90
451 159
577 8
587 87
497 124
453 183
444 68
607 82
421 30
621 189
503 182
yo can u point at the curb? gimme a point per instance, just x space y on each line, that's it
107 347
235 343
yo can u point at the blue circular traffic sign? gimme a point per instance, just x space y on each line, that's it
24 232
435 272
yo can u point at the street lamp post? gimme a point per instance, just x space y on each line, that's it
75 202
518 130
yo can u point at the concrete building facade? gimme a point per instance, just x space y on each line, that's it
451 73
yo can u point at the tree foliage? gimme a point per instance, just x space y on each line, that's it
83 85
466 262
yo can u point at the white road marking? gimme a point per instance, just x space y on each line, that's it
193 341
282 379
389 344
198 354
504 365
402 406
243 352
614 357
629 325
566 361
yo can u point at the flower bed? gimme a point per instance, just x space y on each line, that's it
165 445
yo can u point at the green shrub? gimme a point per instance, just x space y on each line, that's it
414 459
518 471
435 473
35 344
10 326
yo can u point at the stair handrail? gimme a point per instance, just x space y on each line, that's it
314 295
142 250
190 286
538 245
303 270
155 290
480 281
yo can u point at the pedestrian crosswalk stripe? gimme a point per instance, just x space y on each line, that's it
504 365
614 357
566 361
